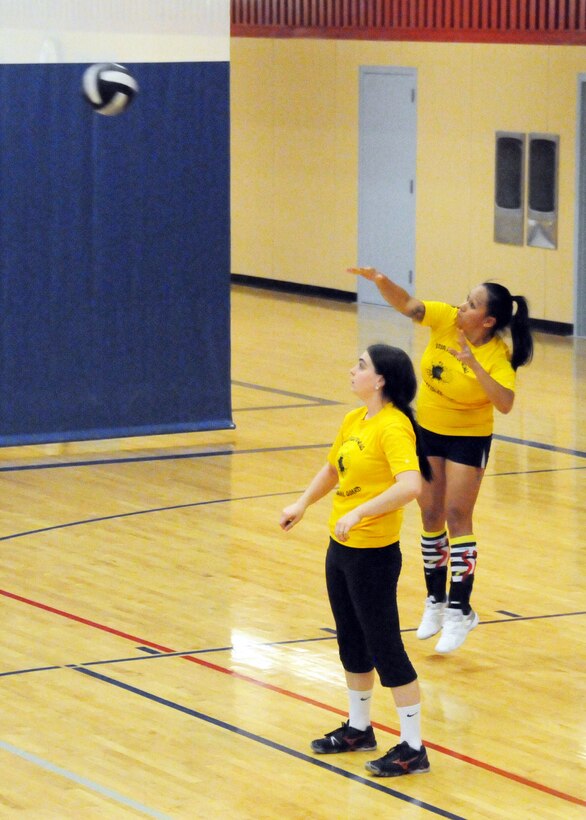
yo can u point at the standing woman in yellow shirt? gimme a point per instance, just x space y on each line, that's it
467 370
375 462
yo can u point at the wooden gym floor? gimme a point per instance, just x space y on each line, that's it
168 652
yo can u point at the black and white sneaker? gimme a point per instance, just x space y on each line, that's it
401 759
345 739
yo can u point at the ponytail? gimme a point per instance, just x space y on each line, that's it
424 464
521 334
500 307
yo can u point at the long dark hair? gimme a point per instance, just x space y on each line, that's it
500 307
400 387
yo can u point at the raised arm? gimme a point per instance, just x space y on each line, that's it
392 293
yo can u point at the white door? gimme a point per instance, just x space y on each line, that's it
386 176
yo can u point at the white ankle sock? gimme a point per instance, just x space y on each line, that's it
410 722
359 712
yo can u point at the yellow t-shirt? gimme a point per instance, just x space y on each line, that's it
368 454
451 401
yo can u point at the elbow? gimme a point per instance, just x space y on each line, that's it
416 488
505 405
411 486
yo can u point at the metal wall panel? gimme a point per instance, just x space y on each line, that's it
542 195
509 215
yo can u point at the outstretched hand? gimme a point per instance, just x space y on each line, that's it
366 273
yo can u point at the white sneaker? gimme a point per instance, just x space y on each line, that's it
432 620
456 627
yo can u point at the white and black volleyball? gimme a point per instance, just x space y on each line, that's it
109 88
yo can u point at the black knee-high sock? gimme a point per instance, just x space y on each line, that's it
435 550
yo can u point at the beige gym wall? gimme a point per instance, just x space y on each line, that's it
294 110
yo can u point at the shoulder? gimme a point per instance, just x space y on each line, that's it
439 313
353 416
395 423
499 349
497 362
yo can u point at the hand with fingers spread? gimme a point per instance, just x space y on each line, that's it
463 355
392 293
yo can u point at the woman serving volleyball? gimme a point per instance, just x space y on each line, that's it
467 370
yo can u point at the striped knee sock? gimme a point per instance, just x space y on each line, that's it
463 562
435 550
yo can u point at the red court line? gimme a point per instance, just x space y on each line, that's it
238 675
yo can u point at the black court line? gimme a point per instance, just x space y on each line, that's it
271 744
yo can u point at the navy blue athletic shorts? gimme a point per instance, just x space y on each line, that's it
470 450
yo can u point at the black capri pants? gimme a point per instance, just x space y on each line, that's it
362 588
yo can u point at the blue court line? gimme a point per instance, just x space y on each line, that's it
534 472
540 446
271 744
313 399
153 654
54 465
104 791
514 618
142 512
197 503
285 406
15 468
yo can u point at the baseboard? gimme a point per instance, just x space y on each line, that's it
293 287
555 328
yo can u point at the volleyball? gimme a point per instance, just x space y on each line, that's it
109 88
